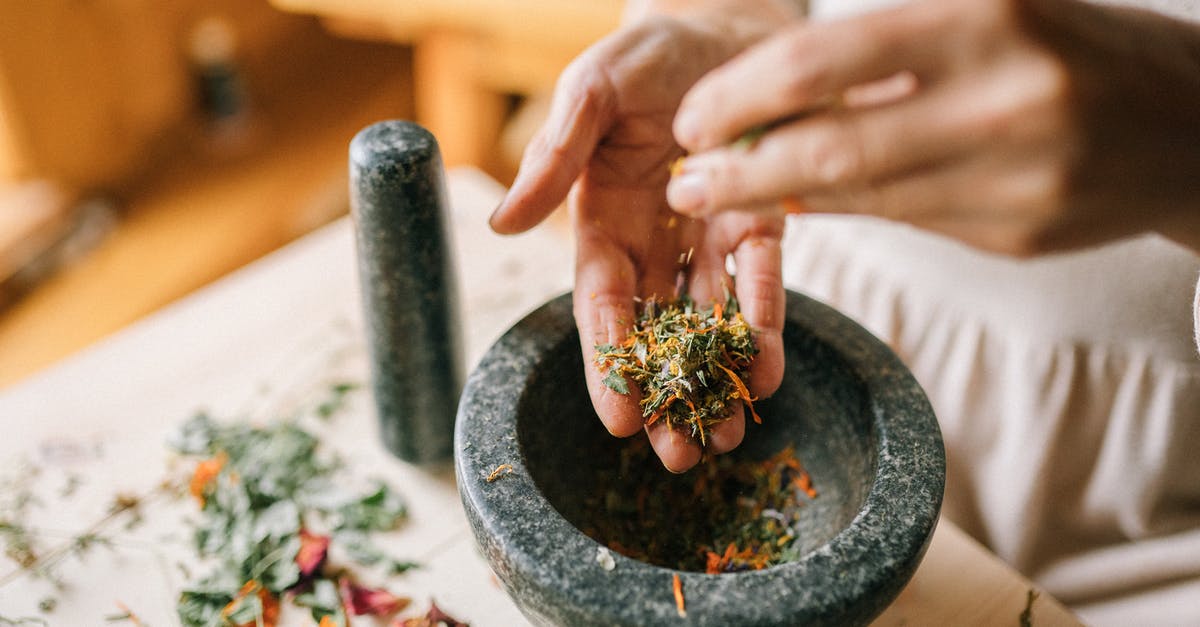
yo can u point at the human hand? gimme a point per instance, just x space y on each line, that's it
1018 126
608 140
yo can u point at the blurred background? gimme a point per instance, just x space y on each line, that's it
149 147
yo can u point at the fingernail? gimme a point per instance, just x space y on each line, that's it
687 129
673 471
495 212
686 192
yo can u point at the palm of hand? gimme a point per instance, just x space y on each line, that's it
608 139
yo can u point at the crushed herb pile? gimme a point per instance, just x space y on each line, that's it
690 364
724 516
271 506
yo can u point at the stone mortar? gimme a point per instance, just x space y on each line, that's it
859 421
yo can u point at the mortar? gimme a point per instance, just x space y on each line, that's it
857 418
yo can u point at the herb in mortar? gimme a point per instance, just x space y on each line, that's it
725 515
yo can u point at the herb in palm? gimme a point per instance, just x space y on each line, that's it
690 364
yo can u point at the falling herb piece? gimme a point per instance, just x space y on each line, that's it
689 364
677 588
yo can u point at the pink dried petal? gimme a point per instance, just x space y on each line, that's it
436 615
313 549
373 601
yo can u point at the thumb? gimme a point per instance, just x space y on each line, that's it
581 112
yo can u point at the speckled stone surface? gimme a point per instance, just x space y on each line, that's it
398 200
860 423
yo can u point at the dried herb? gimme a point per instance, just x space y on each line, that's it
750 137
690 364
500 471
23 545
338 392
23 621
435 617
677 589
126 616
725 515
262 492
1026 617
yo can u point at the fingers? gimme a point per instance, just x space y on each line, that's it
999 204
582 109
759 289
760 295
806 67
677 451
827 152
603 302
727 435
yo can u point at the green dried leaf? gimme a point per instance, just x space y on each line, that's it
616 382
323 600
202 608
381 510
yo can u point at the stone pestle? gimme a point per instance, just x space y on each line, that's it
399 204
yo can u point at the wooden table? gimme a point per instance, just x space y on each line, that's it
254 345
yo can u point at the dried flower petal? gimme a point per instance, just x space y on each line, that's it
313 549
206 471
436 616
362 600
501 470
677 588
255 600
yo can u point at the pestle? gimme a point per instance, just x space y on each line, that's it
398 201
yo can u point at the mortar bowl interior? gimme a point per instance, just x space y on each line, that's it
856 418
